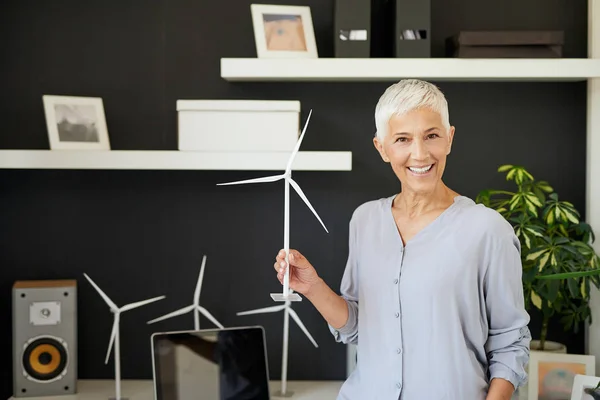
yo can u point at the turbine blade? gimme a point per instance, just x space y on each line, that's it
108 301
255 180
301 325
263 310
175 313
303 197
208 315
298 143
141 303
113 334
199 283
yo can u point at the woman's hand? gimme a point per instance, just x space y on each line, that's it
303 276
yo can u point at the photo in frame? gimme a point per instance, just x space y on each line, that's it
584 388
283 31
76 123
552 375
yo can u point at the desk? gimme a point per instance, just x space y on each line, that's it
143 390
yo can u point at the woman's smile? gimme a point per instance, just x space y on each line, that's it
421 171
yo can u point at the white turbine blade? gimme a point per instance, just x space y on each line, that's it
199 284
303 197
141 303
255 180
301 325
113 334
298 143
108 301
175 313
208 315
263 310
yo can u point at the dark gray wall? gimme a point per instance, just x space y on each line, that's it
143 233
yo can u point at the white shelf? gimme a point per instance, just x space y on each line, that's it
173 160
143 389
391 69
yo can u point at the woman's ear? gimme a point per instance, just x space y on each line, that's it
379 146
450 139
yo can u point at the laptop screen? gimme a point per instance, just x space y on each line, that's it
219 364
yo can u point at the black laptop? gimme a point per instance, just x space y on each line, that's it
211 364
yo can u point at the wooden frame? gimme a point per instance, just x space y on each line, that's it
283 31
555 372
76 123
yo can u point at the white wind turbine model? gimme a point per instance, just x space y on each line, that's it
287 308
196 307
287 295
114 336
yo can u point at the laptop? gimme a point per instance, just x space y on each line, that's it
211 364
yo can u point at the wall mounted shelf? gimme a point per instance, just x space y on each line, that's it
173 160
392 69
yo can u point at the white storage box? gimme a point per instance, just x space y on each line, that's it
238 125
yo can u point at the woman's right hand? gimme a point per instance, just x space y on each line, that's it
303 276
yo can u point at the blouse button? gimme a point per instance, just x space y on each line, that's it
397 314
395 281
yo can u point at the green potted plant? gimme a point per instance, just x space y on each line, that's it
559 262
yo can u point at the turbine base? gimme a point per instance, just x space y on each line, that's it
289 297
278 393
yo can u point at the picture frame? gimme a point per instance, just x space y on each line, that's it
552 375
283 31
582 385
76 123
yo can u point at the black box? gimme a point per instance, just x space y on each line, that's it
352 28
412 28
506 44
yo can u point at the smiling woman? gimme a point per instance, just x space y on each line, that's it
432 285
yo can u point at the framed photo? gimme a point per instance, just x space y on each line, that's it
76 123
584 388
552 375
283 31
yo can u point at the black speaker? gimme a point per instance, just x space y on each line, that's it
44 338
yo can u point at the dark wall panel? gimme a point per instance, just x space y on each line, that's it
143 233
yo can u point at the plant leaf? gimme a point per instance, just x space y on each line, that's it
535 255
544 260
567 275
536 300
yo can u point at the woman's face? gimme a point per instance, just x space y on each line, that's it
416 147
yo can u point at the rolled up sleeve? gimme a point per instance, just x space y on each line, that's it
509 338
349 292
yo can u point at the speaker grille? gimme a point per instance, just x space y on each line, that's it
45 359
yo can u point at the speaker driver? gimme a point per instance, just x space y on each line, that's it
45 358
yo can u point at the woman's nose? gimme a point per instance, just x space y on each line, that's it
419 150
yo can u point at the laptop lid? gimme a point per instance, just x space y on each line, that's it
211 364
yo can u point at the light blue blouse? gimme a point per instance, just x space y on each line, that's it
439 317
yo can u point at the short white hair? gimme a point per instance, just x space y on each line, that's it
405 96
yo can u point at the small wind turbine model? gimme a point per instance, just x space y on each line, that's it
287 308
196 307
114 336
287 295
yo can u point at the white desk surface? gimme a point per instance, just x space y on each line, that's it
90 389
143 390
